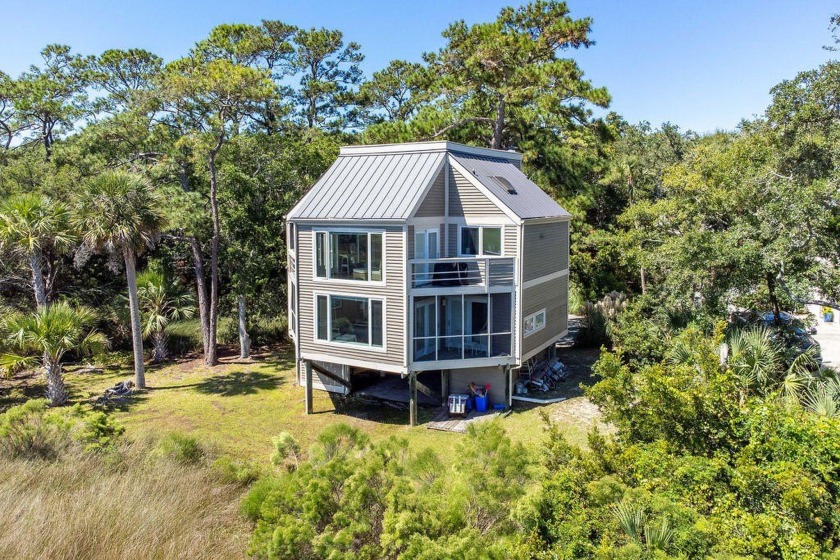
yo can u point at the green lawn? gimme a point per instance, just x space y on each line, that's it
237 407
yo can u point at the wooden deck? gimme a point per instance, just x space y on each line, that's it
444 423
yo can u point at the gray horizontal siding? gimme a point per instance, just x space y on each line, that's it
433 204
511 234
554 297
545 249
466 200
459 381
393 292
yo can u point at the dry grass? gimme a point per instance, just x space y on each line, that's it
89 507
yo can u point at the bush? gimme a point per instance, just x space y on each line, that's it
181 448
599 319
33 430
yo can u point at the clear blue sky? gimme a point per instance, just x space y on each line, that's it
700 64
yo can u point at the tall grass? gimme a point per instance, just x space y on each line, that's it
125 504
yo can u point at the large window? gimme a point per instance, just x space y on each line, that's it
350 320
481 240
349 256
456 327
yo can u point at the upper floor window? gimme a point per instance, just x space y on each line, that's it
481 240
349 255
290 242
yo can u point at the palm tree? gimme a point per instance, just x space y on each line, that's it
51 332
119 213
162 301
759 364
31 224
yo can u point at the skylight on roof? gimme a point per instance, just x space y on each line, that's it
504 183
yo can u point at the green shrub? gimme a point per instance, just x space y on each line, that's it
34 430
181 448
235 471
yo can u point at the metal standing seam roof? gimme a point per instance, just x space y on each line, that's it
389 185
529 200
370 187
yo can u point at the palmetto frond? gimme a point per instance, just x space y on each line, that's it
31 221
52 331
631 517
118 210
162 301
823 398
754 358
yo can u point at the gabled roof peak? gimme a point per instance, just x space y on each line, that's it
428 147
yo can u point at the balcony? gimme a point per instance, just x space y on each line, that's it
477 272
462 330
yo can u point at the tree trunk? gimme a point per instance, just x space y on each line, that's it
244 338
201 288
134 308
159 340
643 279
211 358
774 301
499 125
56 392
37 264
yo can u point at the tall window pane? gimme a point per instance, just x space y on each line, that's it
349 256
350 322
376 323
469 241
376 257
320 255
491 241
322 317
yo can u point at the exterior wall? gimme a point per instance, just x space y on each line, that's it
393 292
322 382
510 237
434 203
553 296
545 249
459 381
466 200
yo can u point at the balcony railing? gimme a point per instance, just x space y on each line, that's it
462 271
462 347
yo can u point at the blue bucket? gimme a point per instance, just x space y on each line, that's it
481 403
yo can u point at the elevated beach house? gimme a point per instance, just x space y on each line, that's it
433 260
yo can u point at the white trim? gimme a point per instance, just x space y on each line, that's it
328 257
446 189
331 358
433 146
485 191
536 329
547 278
369 347
480 247
551 342
406 288
466 363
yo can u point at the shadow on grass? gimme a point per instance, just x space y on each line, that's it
17 391
377 411
237 383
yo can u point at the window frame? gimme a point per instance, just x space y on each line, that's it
480 245
347 344
327 232
537 327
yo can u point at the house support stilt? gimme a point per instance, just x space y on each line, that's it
412 398
307 379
